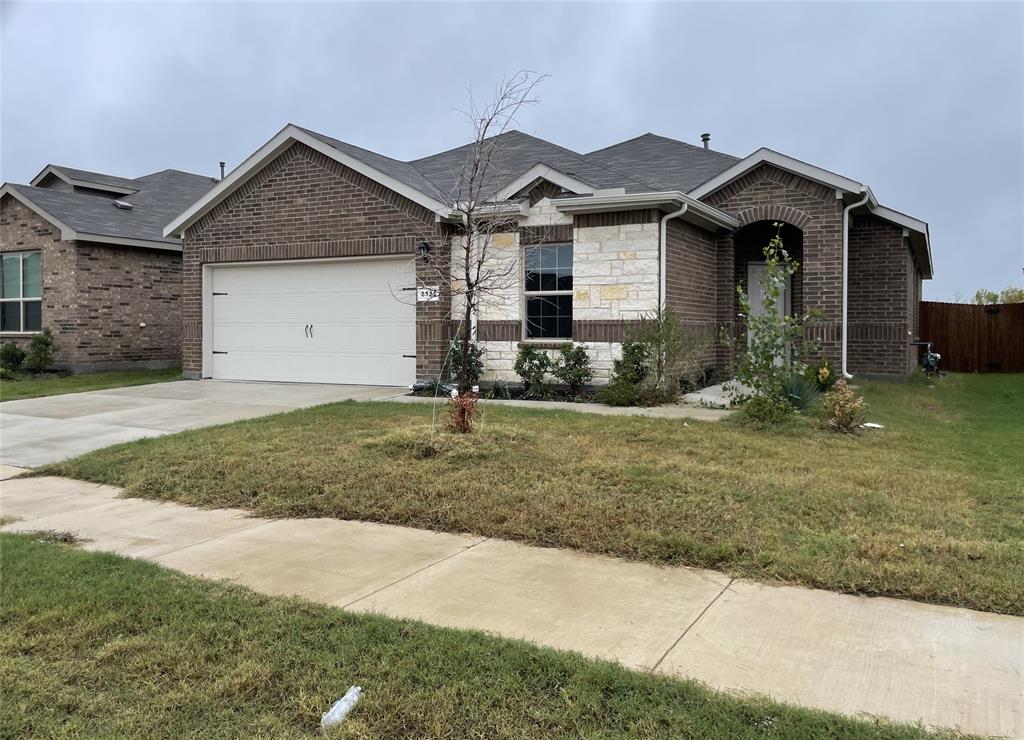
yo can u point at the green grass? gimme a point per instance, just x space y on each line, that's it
27 386
95 645
930 508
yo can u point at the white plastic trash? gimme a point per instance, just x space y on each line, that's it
337 713
872 425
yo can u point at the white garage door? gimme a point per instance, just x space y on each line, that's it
314 322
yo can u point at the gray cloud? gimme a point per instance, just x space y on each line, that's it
924 102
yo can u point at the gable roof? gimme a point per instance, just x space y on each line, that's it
515 154
86 179
154 199
664 163
655 169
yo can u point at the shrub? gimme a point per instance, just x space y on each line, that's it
499 389
765 410
800 392
41 351
633 367
821 374
573 367
844 408
11 356
476 361
461 412
6 374
531 366
671 348
773 344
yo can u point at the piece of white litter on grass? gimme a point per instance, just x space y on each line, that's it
872 425
341 708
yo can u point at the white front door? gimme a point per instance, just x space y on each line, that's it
344 321
756 272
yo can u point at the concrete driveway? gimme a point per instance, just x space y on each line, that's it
38 431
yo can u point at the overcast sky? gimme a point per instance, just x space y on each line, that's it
923 102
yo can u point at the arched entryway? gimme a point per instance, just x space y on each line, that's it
749 242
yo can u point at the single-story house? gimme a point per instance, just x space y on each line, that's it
303 264
84 255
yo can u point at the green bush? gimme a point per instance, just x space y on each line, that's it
532 365
765 411
476 361
800 392
621 392
573 367
41 352
634 365
821 374
11 356
499 389
6 374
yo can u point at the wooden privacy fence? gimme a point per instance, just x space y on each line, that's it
975 339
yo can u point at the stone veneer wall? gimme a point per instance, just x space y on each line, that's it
96 296
615 281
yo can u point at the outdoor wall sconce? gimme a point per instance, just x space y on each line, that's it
425 252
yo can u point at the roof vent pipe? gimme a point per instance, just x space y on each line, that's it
706 138
222 169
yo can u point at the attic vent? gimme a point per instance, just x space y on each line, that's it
124 206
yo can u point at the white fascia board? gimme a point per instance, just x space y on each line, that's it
769 156
598 203
51 170
266 153
122 241
66 232
912 224
543 172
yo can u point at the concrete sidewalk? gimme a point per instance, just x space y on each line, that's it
941 666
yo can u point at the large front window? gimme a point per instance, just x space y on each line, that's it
548 289
21 291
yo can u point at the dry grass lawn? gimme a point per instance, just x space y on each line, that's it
930 508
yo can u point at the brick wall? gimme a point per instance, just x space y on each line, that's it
768 193
118 289
95 295
306 205
881 304
691 289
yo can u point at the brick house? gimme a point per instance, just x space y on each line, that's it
83 254
316 260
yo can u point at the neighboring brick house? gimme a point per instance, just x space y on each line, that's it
304 263
83 254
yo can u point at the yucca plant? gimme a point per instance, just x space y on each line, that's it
799 391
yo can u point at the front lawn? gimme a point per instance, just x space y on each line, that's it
29 386
930 508
95 645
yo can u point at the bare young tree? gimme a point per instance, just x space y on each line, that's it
477 271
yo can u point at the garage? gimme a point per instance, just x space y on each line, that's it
313 321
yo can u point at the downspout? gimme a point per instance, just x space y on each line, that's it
846 261
663 264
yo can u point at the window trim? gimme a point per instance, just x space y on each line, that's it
524 294
21 300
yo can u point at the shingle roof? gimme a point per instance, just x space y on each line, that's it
159 197
94 177
516 153
644 164
404 172
663 163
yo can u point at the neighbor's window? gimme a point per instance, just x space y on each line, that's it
21 291
548 289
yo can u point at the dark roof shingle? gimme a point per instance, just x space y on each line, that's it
157 199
